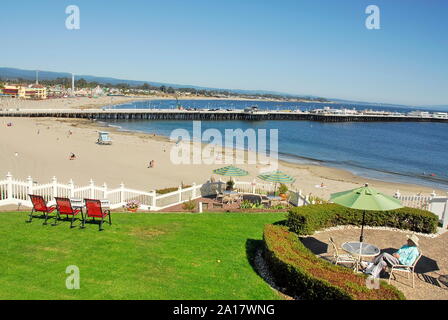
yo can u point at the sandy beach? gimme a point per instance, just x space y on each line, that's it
40 148
67 103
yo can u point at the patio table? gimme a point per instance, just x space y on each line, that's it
360 250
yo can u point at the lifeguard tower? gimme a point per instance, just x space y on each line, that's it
104 138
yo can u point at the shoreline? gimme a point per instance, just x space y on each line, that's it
307 163
144 147
325 172
126 160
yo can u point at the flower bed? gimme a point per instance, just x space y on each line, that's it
307 219
169 190
297 269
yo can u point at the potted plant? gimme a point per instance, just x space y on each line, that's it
282 191
229 185
132 205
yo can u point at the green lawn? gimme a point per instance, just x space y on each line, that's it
141 256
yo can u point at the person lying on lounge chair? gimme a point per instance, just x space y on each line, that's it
406 255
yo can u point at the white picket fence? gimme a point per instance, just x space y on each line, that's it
434 203
15 192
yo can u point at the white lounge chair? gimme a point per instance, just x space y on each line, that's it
410 270
339 258
104 138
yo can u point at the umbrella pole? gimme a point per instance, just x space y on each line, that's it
361 238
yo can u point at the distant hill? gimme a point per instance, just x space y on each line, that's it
14 74
436 107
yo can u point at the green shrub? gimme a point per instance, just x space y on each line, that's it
246 204
308 219
297 269
316 200
282 189
230 184
190 205
279 207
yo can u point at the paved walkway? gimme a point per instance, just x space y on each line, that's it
433 263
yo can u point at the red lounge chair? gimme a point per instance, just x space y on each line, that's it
40 205
94 210
64 207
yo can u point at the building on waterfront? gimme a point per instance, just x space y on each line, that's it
98 92
32 91
57 91
440 115
330 111
419 114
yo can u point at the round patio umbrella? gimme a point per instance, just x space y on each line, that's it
367 199
231 171
277 177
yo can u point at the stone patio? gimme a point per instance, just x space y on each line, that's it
431 266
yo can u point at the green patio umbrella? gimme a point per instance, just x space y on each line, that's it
231 171
367 199
276 177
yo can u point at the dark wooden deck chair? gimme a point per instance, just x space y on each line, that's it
252 198
94 210
64 207
40 205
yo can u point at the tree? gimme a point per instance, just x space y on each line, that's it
81 83
145 86
170 90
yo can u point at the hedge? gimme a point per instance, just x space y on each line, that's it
297 269
307 219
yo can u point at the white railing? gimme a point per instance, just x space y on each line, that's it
434 203
298 199
15 192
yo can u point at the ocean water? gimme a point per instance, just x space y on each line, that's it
407 152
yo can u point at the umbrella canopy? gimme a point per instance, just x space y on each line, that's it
365 198
277 177
231 171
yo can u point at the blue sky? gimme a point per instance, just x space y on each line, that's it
303 47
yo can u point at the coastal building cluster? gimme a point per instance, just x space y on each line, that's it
32 91
40 92
69 87
370 112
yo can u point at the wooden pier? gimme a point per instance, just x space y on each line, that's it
169 114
